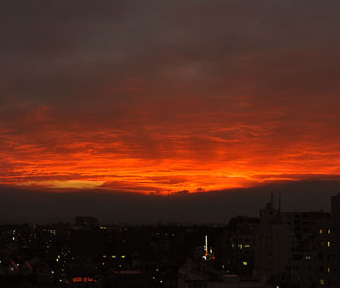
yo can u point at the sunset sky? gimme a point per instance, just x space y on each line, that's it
164 96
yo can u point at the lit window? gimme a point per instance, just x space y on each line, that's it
328 244
328 270
245 263
329 231
322 282
320 231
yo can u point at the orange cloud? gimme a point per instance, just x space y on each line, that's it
159 156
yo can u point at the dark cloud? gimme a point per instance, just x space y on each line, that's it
227 90
218 206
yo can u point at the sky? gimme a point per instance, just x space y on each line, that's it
167 96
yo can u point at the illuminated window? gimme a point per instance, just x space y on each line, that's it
328 244
329 231
247 246
320 231
308 257
328 270
322 282
77 279
245 263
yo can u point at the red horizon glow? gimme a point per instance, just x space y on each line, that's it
168 159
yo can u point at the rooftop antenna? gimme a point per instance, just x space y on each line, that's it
271 200
279 201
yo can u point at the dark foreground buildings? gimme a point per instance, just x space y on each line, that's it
277 249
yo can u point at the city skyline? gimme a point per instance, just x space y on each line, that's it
278 248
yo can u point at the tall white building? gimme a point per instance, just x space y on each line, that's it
286 247
274 241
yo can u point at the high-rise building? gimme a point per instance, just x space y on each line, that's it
274 241
328 248
286 246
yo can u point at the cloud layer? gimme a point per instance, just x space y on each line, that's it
168 95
